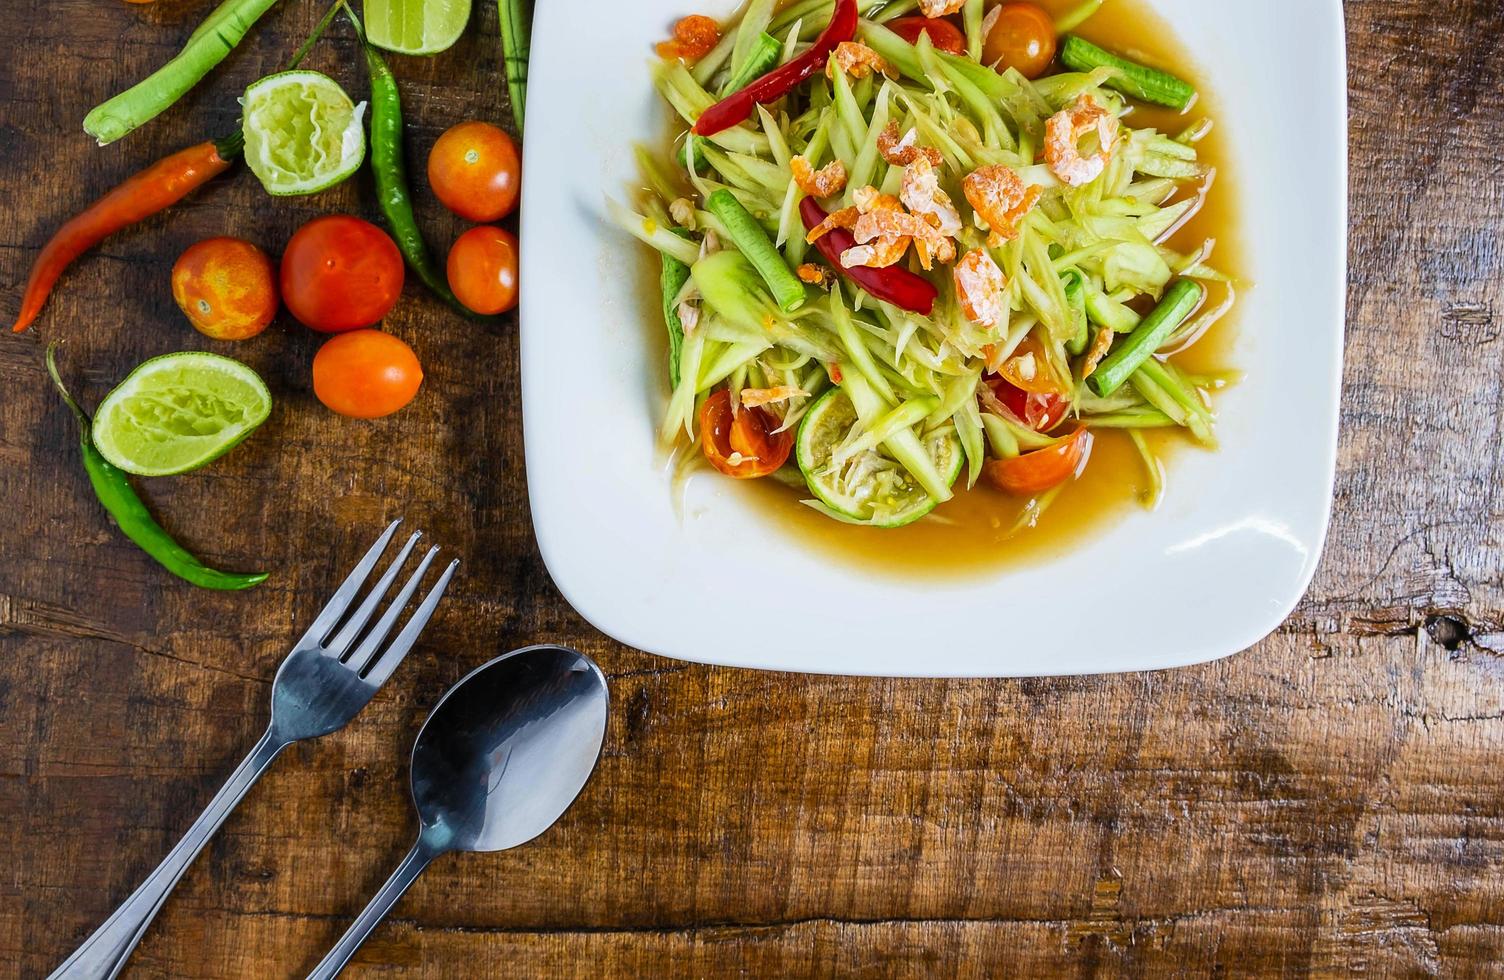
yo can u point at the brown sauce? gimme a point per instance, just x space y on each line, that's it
980 528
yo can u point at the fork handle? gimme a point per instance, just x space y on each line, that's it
417 859
103 955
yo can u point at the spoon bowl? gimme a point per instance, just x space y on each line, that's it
500 758
507 750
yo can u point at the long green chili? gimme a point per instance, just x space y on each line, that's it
118 497
206 47
516 38
389 171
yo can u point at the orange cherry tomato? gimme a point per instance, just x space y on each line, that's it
1042 469
1026 368
340 273
365 374
1022 37
474 171
749 432
482 270
226 287
943 34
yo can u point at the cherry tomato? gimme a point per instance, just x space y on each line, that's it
365 374
1042 412
748 432
943 34
226 287
1027 368
1022 37
474 171
482 270
340 273
1042 469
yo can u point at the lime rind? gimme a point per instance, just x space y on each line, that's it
303 134
416 27
178 412
868 489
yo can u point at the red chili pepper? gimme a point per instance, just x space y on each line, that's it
159 186
893 285
736 107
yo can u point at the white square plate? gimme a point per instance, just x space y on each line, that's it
1219 565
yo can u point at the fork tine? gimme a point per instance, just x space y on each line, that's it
348 633
340 601
360 659
388 660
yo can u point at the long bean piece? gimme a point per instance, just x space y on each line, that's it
1181 299
754 243
206 47
1129 77
516 41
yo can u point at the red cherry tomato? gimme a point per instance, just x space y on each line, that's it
474 171
1022 37
340 273
1043 469
482 270
943 34
366 374
749 432
1040 411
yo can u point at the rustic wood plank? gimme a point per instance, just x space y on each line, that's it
1329 803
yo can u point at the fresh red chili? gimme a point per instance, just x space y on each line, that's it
894 284
780 81
157 187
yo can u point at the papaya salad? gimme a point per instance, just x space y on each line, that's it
909 247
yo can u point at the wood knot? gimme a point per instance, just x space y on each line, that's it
1449 631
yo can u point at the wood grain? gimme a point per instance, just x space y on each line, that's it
1329 803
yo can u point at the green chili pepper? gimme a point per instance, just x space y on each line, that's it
389 168
120 500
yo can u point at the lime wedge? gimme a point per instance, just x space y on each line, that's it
302 132
179 411
868 488
416 26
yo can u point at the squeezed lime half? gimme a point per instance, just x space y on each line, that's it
416 26
178 412
869 489
302 132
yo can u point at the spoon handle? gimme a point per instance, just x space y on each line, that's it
103 954
417 859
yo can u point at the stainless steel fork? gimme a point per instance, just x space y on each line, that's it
321 685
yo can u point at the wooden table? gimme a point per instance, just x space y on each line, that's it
1329 802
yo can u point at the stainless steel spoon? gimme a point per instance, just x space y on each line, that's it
502 756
